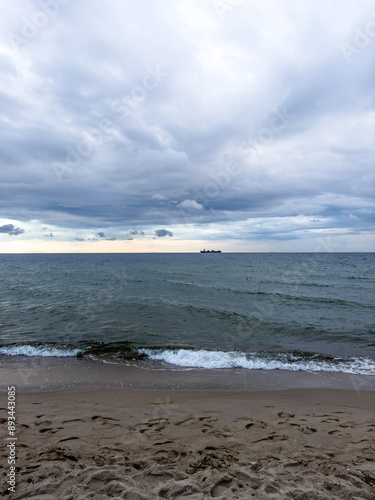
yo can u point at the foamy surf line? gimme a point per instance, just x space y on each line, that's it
205 359
256 361
44 351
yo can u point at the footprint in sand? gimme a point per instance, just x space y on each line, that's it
152 426
368 450
308 430
348 424
221 487
274 437
285 414
221 433
43 422
165 457
52 431
258 424
95 417
338 433
330 420
208 428
74 420
272 492
209 419
68 439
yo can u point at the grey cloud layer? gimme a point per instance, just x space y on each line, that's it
11 230
160 233
118 114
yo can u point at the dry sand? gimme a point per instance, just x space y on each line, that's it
193 445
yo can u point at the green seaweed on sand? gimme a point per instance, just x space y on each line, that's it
368 480
186 419
213 461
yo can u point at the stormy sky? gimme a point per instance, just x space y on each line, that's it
177 125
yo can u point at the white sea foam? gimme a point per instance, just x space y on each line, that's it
234 359
190 358
28 350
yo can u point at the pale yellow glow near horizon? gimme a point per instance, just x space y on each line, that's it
338 243
158 245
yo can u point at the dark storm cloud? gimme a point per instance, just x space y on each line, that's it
160 233
256 114
11 230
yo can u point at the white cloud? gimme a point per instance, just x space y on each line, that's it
190 205
353 218
159 197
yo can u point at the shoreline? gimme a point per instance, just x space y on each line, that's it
194 445
47 373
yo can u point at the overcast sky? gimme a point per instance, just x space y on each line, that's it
138 125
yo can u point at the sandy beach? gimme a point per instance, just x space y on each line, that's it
142 444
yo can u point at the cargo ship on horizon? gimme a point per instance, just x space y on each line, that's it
210 251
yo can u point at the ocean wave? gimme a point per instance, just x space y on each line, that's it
258 361
268 295
45 351
201 358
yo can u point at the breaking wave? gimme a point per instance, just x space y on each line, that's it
260 361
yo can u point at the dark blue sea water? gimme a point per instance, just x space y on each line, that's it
253 311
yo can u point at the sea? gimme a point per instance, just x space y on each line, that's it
296 312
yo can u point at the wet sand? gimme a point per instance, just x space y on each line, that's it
49 373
